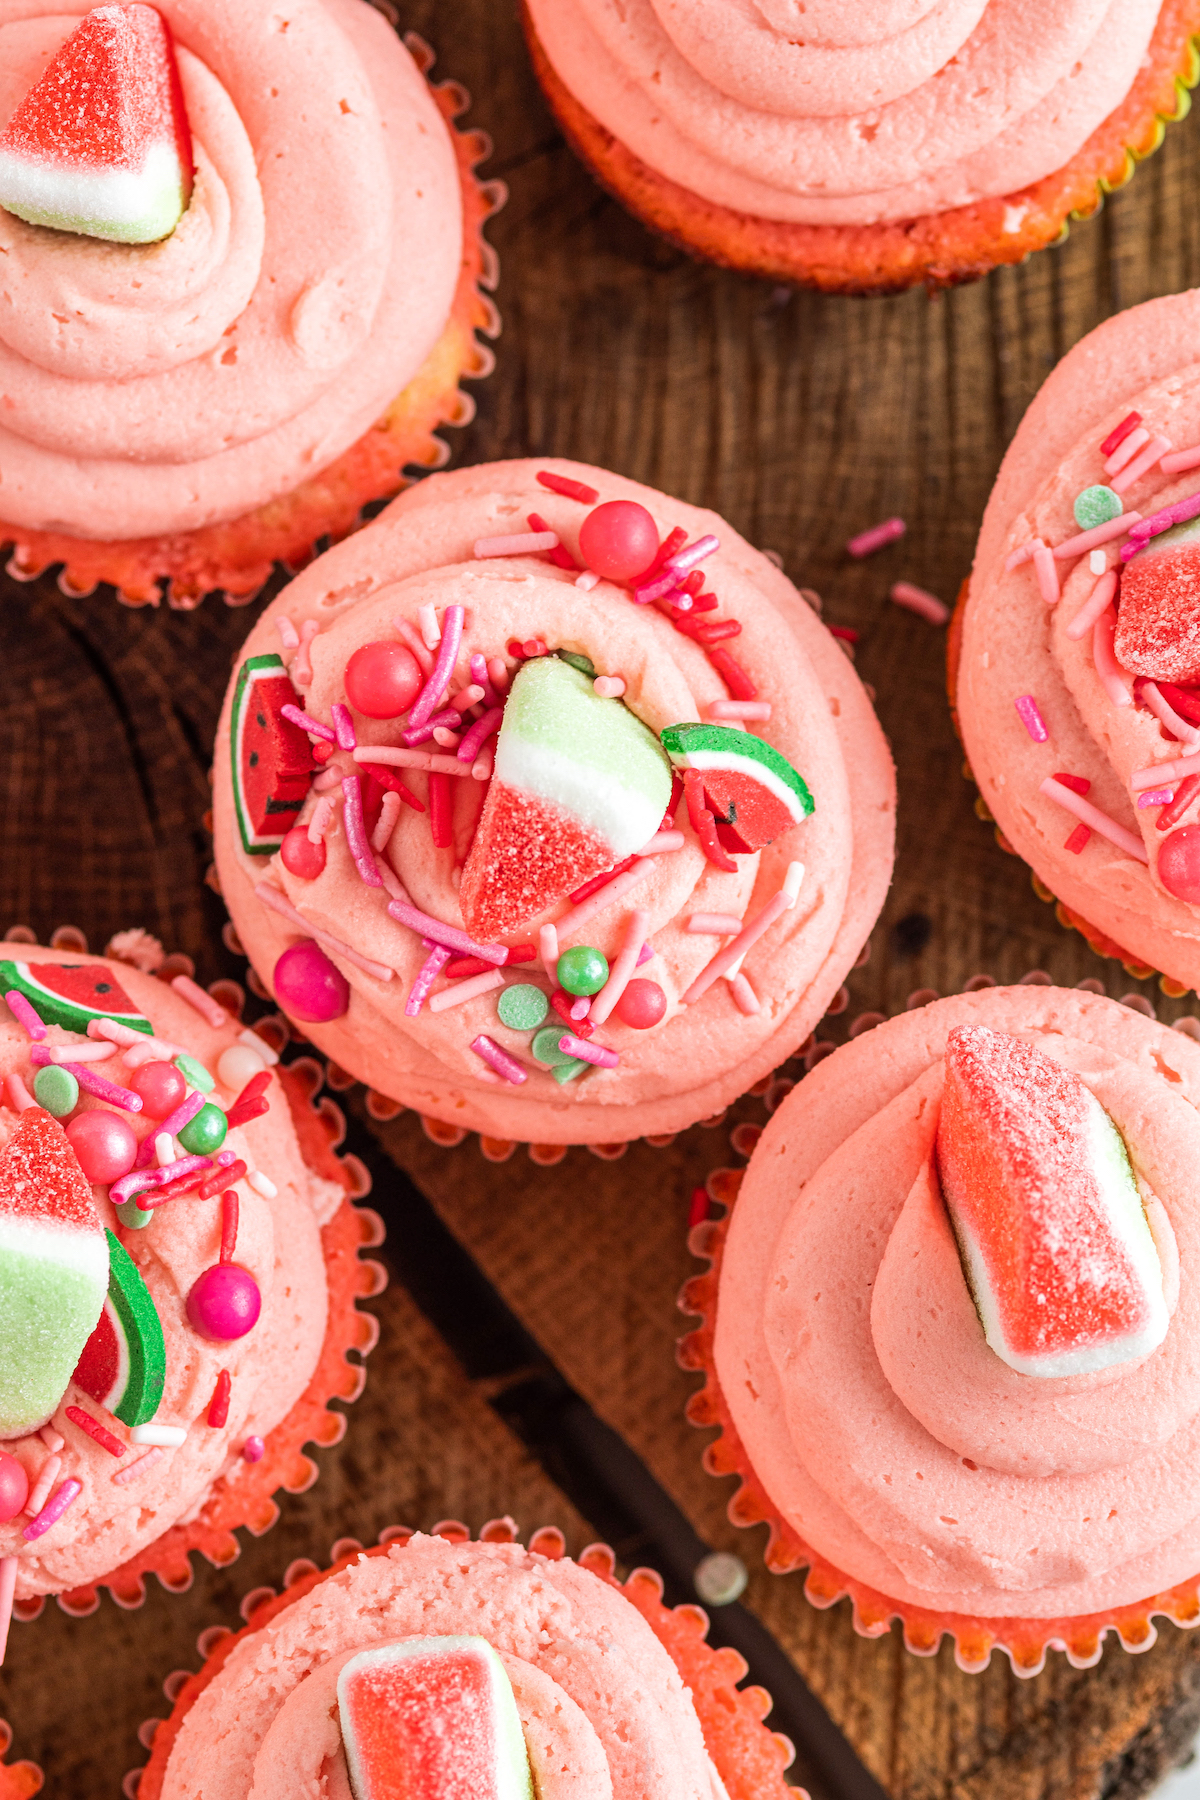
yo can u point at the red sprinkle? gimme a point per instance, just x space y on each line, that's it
242 1115
218 1406
1118 434
322 752
1184 701
534 647
212 1184
843 631
598 881
458 966
668 818
441 811
1078 839
733 675
706 631
704 824
1185 793
560 556
1079 784
562 484
698 1210
562 1003
393 784
674 540
229 1225
95 1430
705 603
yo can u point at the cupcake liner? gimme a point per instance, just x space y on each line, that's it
19 1780
939 249
1024 1641
238 557
748 1756
248 1501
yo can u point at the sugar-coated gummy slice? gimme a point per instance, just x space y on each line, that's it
53 1270
72 994
579 783
752 791
1044 1204
1158 624
101 145
124 1362
272 758
432 1719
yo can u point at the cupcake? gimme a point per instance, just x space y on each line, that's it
863 150
242 259
1073 668
949 1334
494 1669
179 1266
555 855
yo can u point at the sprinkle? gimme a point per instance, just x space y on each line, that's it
1176 461
194 1073
560 556
596 882
229 1224
548 947
1104 657
426 701
218 1406
137 1468
466 698
565 1005
572 490
54 1509
271 896
392 784
165 1437
608 687
474 965
1177 514
675 539
47 1476
269 1056
8 1587
307 723
287 632
1079 784
96 1085
586 1051
203 1003
499 1059
430 969
580 1008
262 1184
1165 713
1091 815
141 1181
1141 465
19 1096
662 843
1126 450
740 709
327 779
732 673
51 1438
681 561
117 1034
744 996
725 959
171 1126
1095 606
869 541
394 756
708 631
425 926
343 725
1159 773
243 1111
497 670
588 580
1031 718
1156 797
605 896
356 833
1086 541
1047 574
209 1186
1097 562
698 1207
622 969
1078 840
1120 432
481 678
412 735
253 1450
416 644
1185 793
61 1053
95 1430
713 924
519 543
474 740
164 1149
916 600
301 670
25 1016
389 812
466 990
482 767
427 624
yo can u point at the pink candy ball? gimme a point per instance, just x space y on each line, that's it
14 1487
160 1087
104 1144
618 540
224 1303
642 1004
1179 863
300 856
309 986
383 679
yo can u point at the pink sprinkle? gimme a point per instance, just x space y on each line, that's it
449 740
1078 840
412 735
497 670
326 781
395 757
271 896
714 924
467 697
427 624
1176 461
661 842
520 543
322 815
307 723
54 1509
427 700
84 1053
1156 797
656 588
499 1059
744 996
416 644
1108 669
343 725
1158 773
605 896
691 555
482 767
301 670
1095 606
8 1587
122 1034
19 1096
287 632
1016 558
869 541
740 709
474 739
916 600
1031 718
1177 514
1141 465
25 1016
587 1051
548 946
481 677
430 969
750 933
1047 574
1083 541
1092 815
389 812
170 1127
52 1439
1126 450
470 989
139 1467
626 962
204 1004
1165 713
646 954
425 926
253 1450
356 831
95 1085
47 1476
1120 432
580 1008
608 687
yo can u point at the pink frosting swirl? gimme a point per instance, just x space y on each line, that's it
168 386
850 1353
843 114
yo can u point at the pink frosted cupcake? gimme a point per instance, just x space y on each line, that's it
558 857
949 1327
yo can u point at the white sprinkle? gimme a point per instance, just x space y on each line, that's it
168 1437
519 543
164 1149
262 1184
791 882
587 581
431 631
1098 562
252 1038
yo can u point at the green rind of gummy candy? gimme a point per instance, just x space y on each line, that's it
134 1306
718 747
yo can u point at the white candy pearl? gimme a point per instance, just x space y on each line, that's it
236 1065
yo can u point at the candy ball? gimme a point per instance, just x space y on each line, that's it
309 986
56 1089
224 1303
618 540
300 856
14 1487
160 1087
237 1065
1096 506
1179 863
642 1004
582 970
104 1144
206 1132
383 680
253 1450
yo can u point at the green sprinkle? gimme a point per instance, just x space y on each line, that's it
56 1089
195 1074
545 1047
567 1071
206 1132
583 970
522 1007
583 663
133 1215
1096 506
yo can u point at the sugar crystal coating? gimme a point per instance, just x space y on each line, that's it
1158 623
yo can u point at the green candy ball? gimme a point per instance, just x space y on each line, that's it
522 1007
133 1216
56 1089
1096 506
206 1132
582 970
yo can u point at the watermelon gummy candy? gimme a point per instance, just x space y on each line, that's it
272 757
72 994
1158 625
579 783
53 1270
124 1362
432 1719
752 791
1049 1220
101 144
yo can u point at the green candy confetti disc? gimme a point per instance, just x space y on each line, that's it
569 1069
56 1089
545 1046
1096 506
195 1074
522 1007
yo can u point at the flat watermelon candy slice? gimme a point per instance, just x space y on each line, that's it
53 1270
272 758
579 783
124 1362
72 994
752 791
101 144
432 1718
1158 624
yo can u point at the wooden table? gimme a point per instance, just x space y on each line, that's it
801 419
